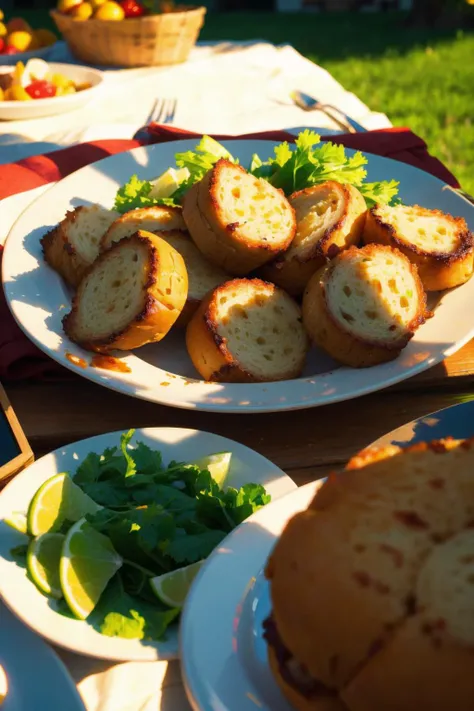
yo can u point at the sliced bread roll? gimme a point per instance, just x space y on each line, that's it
202 275
329 218
132 295
365 305
247 330
440 245
239 222
72 246
151 219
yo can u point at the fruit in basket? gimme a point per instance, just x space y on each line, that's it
3 30
65 6
2 44
18 24
10 50
21 40
132 8
82 11
110 10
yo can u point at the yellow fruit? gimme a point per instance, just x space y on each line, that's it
109 11
96 3
66 6
82 11
18 74
60 81
2 94
3 30
18 24
1 15
63 90
20 39
45 38
17 93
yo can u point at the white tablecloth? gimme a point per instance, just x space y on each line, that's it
225 87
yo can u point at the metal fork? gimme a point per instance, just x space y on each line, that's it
163 111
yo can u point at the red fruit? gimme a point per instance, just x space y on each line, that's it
41 89
132 8
2 45
10 50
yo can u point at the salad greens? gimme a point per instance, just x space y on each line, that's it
292 168
158 518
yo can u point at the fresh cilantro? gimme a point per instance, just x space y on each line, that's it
118 614
158 518
207 152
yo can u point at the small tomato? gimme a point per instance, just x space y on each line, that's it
41 89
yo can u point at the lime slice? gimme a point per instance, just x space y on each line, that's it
17 521
87 564
56 501
42 561
172 588
168 182
217 464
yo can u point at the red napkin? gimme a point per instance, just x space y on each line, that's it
19 358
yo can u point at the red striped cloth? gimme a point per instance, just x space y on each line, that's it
19 358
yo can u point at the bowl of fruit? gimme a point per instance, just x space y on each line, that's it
129 33
40 88
20 42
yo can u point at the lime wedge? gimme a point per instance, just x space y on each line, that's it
56 501
172 588
42 561
217 464
87 564
167 183
17 521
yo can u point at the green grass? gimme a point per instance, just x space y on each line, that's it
420 78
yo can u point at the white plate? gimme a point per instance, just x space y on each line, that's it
37 679
19 110
39 299
36 610
231 673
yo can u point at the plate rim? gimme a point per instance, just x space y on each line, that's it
47 653
270 404
194 690
154 652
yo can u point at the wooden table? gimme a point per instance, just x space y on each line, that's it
306 444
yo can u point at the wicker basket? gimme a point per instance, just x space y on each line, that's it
136 42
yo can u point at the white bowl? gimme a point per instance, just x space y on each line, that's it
19 110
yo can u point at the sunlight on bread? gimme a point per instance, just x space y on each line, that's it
365 305
239 222
247 330
380 571
329 218
441 246
151 219
131 296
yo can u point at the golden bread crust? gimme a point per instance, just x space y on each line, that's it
367 593
209 349
438 270
164 296
345 346
157 219
60 254
321 702
224 244
293 269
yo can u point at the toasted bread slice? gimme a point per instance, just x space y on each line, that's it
440 245
365 305
329 218
247 330
239 222
132 295
202 275
151 219
72 246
